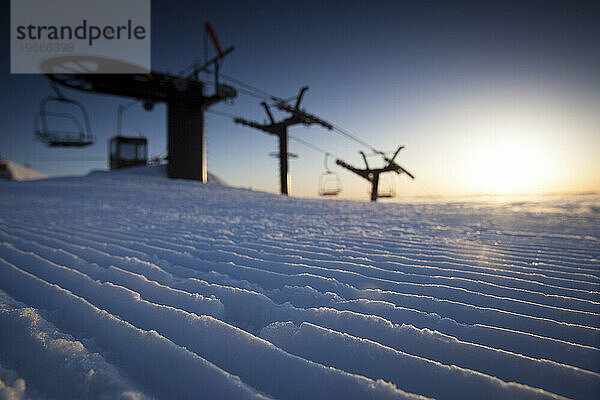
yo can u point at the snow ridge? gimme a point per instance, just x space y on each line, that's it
133 286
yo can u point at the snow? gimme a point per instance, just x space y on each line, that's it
10 170
129 285
152 171
52 356
375 360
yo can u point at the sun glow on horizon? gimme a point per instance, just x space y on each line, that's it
511 167
517 141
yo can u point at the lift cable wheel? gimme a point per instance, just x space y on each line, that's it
79 133
329 181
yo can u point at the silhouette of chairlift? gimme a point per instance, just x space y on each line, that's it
329 181
80 134
126 151
387 188
373 174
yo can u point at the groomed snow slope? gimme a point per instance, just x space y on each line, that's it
129 285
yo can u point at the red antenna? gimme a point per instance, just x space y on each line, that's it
213 37
215 61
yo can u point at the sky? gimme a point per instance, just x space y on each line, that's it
486 97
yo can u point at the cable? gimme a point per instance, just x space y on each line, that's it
312 146
350 136
336 128
240 90
246 88
249 93
427 189
82 159
264 94
221 113
304 142
254 91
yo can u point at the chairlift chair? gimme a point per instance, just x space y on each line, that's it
79 136
387 189
126 152
329 184
123 151
329 181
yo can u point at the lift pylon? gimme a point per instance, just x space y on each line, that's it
279 129
372 174
183 94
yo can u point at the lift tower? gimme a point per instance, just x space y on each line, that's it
183 94
185 101
372 174
279 129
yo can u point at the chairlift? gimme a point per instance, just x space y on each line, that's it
329 181
387 188
123 151
126 152
79 135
